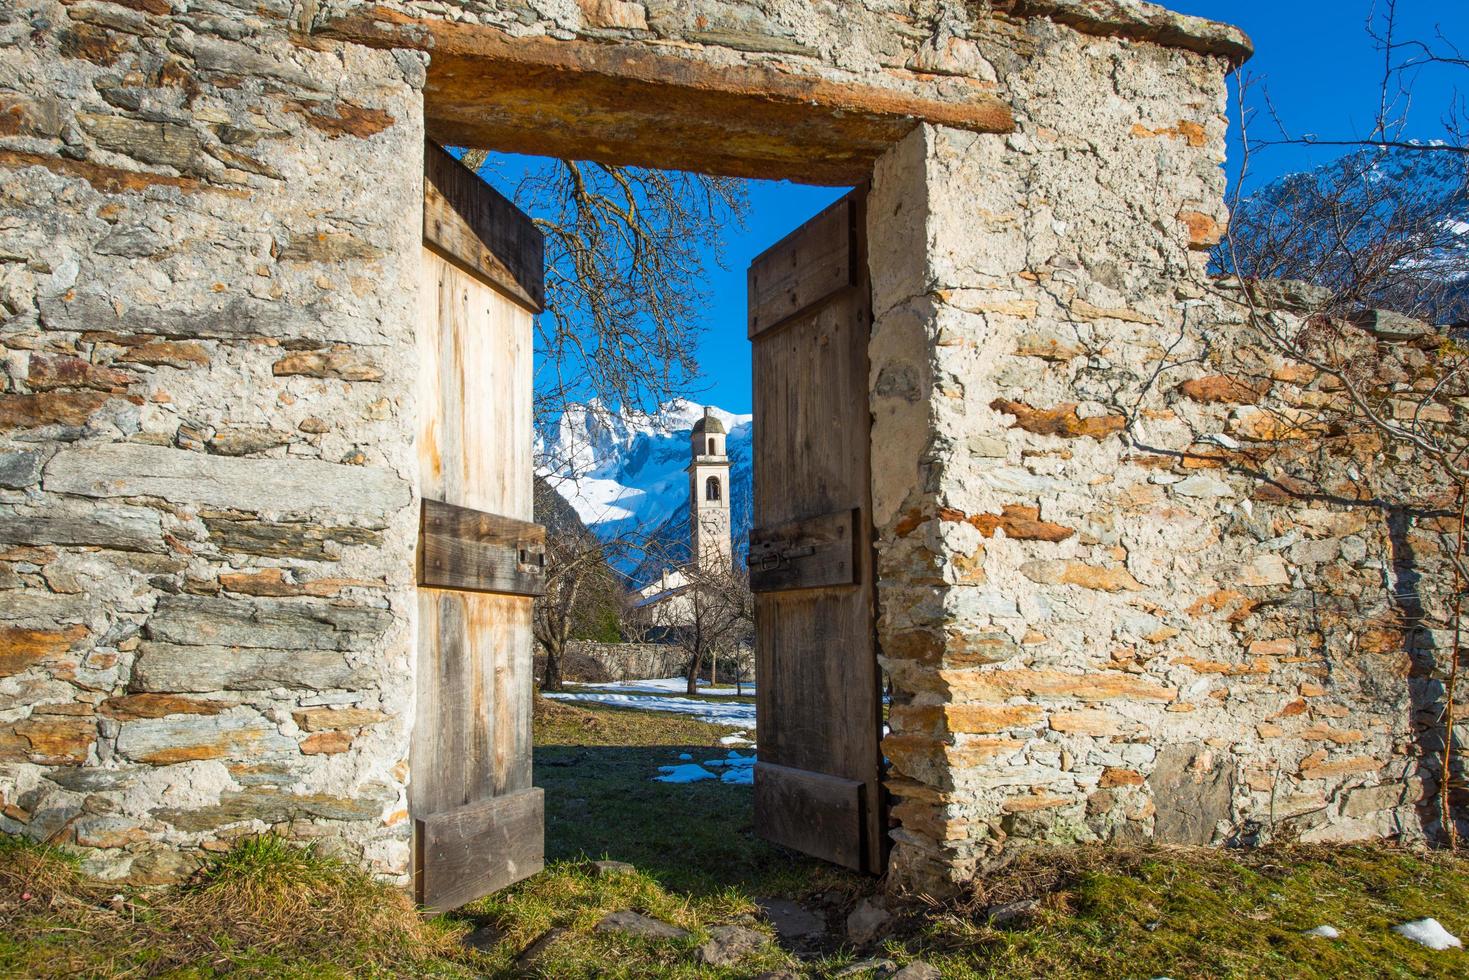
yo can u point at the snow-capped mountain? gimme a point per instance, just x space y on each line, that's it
625 474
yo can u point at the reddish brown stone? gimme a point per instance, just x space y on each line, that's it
1190 132
1021 523
22 648
133 706
345 364
1101 685
1113 777
57 740
1203 231
61 371
166 353
326 743
72 408
326 719
108 180
266 582
1222 389
345 119
1059 421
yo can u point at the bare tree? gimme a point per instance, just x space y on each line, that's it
706 610
1376 245
582 587
624 278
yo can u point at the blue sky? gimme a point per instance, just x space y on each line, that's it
1313 56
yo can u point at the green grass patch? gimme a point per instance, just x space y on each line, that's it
269 908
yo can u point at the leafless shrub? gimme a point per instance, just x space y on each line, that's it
1383 228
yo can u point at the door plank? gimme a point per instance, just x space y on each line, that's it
471 733
811 812
820 551
474 393
473 551
477 821
818 689
476 849
804 268
473 225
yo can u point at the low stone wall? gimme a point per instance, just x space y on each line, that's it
623 661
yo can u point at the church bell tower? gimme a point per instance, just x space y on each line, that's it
709 495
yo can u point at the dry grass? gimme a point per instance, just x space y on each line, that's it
264 908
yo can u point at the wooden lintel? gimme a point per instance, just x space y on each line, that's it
658 103
471 551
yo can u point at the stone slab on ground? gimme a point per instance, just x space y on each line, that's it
637 924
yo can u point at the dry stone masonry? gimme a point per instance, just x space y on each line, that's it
1106 609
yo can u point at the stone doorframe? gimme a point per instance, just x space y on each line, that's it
947 114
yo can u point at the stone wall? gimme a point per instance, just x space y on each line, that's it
586 660
209 231
1126 590
1101 621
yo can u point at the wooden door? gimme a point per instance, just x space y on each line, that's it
818 690
478 822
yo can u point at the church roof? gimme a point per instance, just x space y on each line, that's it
709 424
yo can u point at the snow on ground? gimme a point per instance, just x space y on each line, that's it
1323 932
687 773
736 714
738 770
1428 932
671 685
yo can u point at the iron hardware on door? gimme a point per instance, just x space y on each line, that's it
808 554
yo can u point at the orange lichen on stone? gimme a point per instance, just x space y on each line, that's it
1061 420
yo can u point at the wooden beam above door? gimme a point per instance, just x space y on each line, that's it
660 104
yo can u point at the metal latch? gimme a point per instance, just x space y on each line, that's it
772 560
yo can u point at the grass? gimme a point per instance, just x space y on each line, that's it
270 909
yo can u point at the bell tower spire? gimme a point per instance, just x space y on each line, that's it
709 524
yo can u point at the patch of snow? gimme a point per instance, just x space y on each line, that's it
733 760
685 757
739 776
735 714
738 738
671 685
1428 932
690 773
1325 932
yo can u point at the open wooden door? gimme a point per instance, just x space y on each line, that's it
478 822
818 689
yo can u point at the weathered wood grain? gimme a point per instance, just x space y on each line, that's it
809 554
470 223
470 550
818 692
811 812
474 393
477 821
471 733
473 850
804 268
